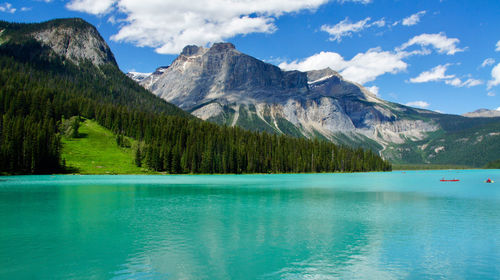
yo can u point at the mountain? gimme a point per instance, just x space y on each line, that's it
73 39
73 50
483 113
50 72
54 74
225 86
137 76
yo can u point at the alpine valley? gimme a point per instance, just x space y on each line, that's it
222 85
213 110
65 106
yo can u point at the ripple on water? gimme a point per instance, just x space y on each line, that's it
298 226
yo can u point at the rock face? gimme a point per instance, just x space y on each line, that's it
137 76
222 73
223 85
75 40
483 113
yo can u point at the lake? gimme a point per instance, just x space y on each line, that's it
298 226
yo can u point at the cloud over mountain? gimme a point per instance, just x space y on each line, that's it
169 25
362 68
366 67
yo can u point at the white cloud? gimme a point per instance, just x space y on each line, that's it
362 68
495 74
347 28
491 93
488 62
472 82
96 7
456 82
169 25
356 1
498 109
420 104
317 61
366 67
435 74
498 46
438 74
379 23
373 89
413 19
7 8
439 41
344 28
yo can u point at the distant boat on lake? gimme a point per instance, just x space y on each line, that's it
452 180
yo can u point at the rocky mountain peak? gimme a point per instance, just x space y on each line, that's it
74 39
226 86
318 75
160 70
483 113
190 50
221 47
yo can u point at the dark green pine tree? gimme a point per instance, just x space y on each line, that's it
75 125
138 157
39 89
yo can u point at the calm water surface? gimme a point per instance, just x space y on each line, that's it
313 226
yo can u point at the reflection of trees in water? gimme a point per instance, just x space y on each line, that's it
247 232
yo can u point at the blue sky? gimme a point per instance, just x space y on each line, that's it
440 55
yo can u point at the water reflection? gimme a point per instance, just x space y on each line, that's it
247 229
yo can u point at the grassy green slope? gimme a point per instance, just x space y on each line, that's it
96 152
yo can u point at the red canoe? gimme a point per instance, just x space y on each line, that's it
454 180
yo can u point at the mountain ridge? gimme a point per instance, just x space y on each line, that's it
72 38
223 85
46 84
217 83
483 113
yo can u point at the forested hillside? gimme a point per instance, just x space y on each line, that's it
462 141
41 88
493 164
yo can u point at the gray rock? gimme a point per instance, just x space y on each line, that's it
483 113
220 79
77 41
137 76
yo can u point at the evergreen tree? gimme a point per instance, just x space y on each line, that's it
38 89
138 157
75 125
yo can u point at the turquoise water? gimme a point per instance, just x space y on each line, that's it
310 226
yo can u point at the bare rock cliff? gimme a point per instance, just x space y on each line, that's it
223 85
75 40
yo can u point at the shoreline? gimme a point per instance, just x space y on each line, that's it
245 174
